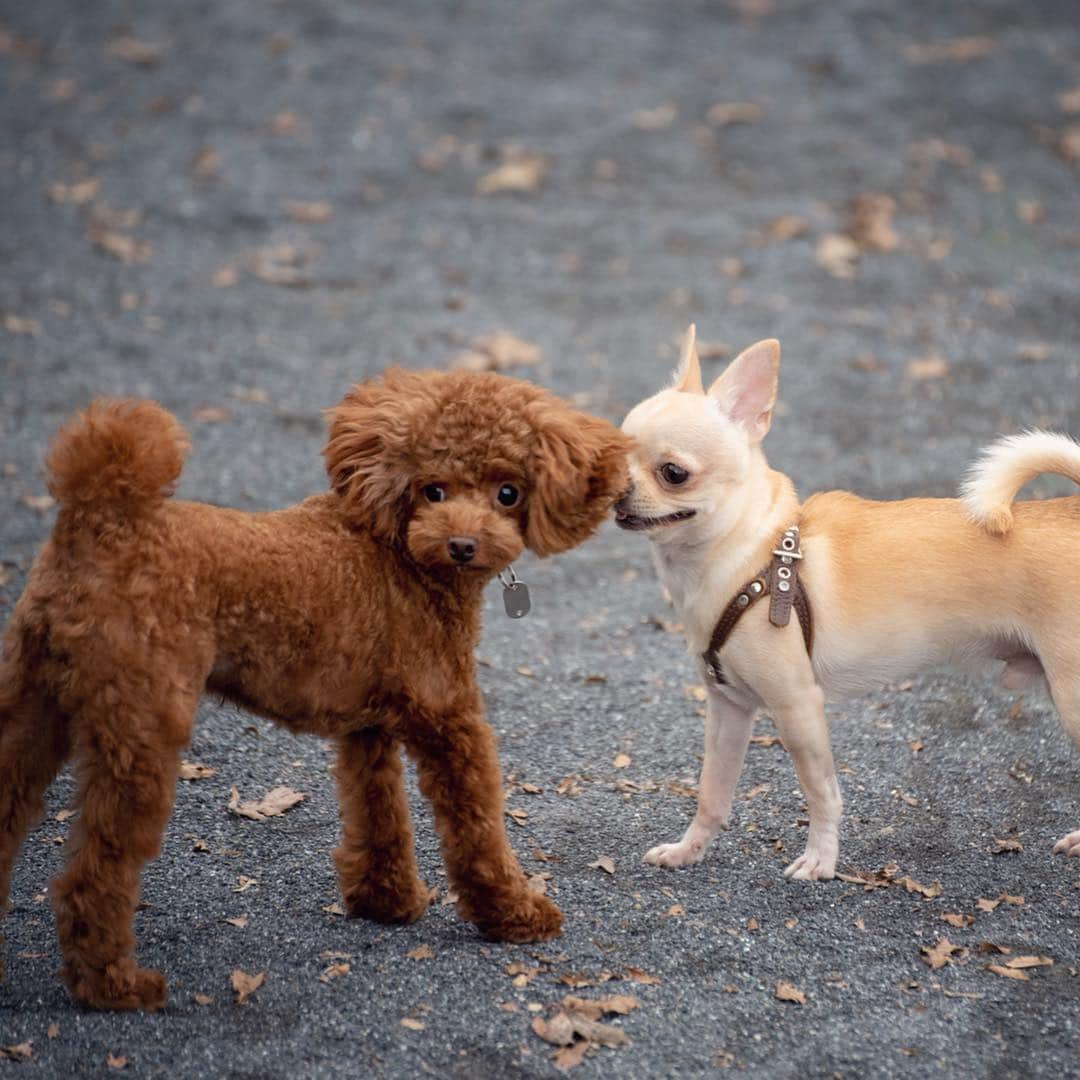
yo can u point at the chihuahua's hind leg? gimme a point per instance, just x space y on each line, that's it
727 734
1064 678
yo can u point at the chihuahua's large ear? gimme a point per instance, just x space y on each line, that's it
366 454
688 373
747 389
578 470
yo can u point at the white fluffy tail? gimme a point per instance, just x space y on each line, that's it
1006 466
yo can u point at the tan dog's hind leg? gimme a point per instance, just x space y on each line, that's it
800 719
727 734
1064 679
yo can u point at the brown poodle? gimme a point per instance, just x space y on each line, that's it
352 616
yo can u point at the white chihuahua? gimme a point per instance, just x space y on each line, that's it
879 588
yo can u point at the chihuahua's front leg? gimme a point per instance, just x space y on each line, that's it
799 714
727 734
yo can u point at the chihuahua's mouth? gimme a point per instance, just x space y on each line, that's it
633 522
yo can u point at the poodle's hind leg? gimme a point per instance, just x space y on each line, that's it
127 742
375 861
33 747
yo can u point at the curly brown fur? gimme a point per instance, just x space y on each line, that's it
346 616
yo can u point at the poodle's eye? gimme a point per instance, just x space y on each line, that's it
673 474
508 495
434 492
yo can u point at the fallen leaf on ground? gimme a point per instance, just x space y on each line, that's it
724 113
421 952
837 254
115 1062
786 992
621 761
496 352
786 227
1029 962
637 975
77 194
986 905
940 954
1069 101
333 909
192 770
1001 846
765 740
911 885
870 223
245 985
280 264
518 817
17 324
521 974
53 1030
1069 143
927 367
40 503
569 786
654 119
1008 973
958 921
952 50
520 175
673 911
334 971
244 883
1033 352
120 246
309 213
18 1052
134 51
273 803
240 922
202 999
411 1024
575 1027
604 863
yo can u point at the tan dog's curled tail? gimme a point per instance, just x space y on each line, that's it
116 454
1006 466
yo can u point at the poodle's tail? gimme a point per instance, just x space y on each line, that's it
116 455
1006 466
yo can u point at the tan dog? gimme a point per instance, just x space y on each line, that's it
893 586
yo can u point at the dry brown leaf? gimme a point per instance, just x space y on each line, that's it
786 992
202 999
244 883
497 352
952 50
521 974
724 113
115 1062
334 971
76 194
637 975
661 116
569 785
957 921
1069 101
990 947
911 885
1029 962
421 952
1069 143
519 175
870 223
272 804
916 746
517 816
18 1052
192 770
986 905
595 1008
1001 846
53 1030
119 245
309 213
837 254
1033 352
280 264
17 324
245 985
673 911
621 761
766 740
1018 901
694 692
40 503
940 954
411 1024
206 165
334 909
927 367
1008 973
604 863
786 227
134 51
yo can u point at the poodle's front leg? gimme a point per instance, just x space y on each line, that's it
459 772
375 861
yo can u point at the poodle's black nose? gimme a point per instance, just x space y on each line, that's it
462 548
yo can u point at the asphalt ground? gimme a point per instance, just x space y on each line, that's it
170 264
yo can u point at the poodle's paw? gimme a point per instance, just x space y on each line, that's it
1068 845
388 903
527 917
121 985
816 863
680 854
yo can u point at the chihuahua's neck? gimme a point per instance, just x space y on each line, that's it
702 571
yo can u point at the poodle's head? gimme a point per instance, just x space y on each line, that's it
465 470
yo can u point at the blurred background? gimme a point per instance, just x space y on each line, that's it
240 207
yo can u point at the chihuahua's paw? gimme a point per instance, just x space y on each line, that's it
680 854
1068 845
813 864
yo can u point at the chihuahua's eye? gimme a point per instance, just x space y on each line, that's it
673 474
434 492
508 495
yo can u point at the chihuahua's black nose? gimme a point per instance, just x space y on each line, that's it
462 548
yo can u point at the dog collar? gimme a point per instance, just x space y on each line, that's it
780 579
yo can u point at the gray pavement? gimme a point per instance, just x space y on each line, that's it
170 264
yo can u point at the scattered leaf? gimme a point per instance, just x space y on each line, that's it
837 254
141 53
940 954
40 503
334 971
912 886
240 922
1069 101
518 816
870 223
604 863
927 367
952 50
786 992
1069 143
1033 352
244 883
245 985
192 770
673 911
1001 846
115 1062
786 227
1008 973
957 921
76 194
333 909
53 1030
766 740
280 264
655 119
119 245
725 113
496 352
19 1052
411 1024
1029 962
202 999
421 952
309 213
986 905
621 761
519 175
272 804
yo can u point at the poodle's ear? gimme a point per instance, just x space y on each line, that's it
367 456
578 470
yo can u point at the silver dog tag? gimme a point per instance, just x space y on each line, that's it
515 594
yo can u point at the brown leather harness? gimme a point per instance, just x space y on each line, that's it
780 579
